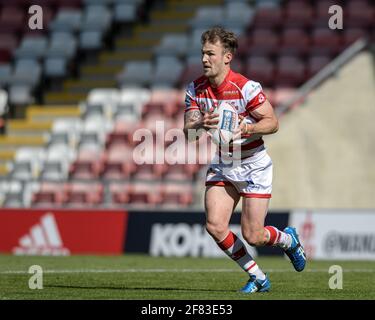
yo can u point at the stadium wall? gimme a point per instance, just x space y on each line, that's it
325 234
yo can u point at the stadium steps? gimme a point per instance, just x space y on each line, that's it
21 127
47 113
12 142
99 72
119 58
58 98
6 155
3 169
84 85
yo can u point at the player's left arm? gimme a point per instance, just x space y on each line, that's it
267 121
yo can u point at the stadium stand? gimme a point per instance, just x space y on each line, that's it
74 93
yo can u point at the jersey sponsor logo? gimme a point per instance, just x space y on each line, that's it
231 92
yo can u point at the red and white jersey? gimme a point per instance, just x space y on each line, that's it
243 94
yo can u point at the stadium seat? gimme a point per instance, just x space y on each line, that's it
49 195
294 41
8 43
359 14
136 73
125 12
207 16
31 47
263 42
55 68
167 72
119 192
4 107
180 194
26 72
5 74
90 40
122 133
142 193
173 44
83 194
290 71
62 45
12 19
87 165
298 14
66 20
21 94
267 17
96 18
162 101
261 69
179 173
325 41
118 163
237 15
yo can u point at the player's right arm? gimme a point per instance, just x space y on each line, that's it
194 119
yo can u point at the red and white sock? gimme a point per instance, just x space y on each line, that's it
236 250
278 238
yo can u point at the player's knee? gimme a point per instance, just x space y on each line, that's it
216 230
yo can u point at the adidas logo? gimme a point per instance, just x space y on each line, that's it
43 239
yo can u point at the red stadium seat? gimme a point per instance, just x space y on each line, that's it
146 173
119 192
8 43
261 69
83 194
180 194
118 163
322 15
145 193
290 71
12 20
294 42
298 15
359 14
179 173
122 133
49 194
268 17
162 101
263 42
88 165
325 41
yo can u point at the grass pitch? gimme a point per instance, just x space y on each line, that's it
143 277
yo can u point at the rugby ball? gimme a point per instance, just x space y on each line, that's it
228 123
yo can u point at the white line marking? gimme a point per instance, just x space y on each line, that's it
53 271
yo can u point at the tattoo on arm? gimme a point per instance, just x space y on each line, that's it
192 117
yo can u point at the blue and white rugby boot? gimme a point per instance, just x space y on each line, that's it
256 285
296 253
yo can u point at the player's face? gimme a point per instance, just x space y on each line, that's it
214 59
